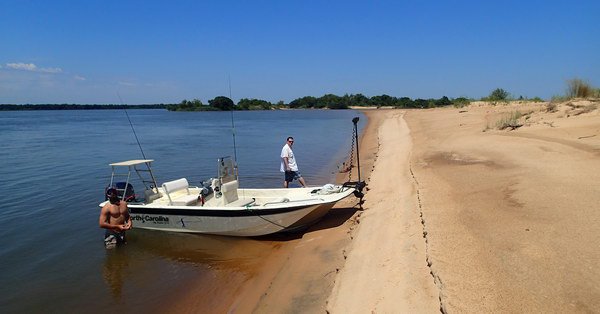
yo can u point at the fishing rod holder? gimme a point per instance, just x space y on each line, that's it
358 187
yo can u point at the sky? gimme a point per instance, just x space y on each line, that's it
149 52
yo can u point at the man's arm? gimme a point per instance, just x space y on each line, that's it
285 154
128 223
286 164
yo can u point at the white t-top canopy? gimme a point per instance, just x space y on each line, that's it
131 162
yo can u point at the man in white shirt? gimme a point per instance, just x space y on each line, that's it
288 164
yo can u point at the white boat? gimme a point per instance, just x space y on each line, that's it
219 206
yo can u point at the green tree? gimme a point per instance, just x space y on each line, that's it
304 102
358 100
404 102
420 103
383 100
222 103
332 102
254 104
442 102
498 94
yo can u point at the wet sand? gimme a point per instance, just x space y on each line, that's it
300 277
293 272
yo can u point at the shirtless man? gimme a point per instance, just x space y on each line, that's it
114 217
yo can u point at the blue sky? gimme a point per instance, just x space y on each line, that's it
167 51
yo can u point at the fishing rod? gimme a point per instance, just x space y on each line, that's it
131 124
233 129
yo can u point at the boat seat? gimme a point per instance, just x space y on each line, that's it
230 193
178 192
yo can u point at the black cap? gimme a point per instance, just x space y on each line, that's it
111 191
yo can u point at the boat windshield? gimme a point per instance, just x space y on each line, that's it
226 169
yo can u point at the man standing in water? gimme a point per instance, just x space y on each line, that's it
114 217
288 164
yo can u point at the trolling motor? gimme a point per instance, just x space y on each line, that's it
357 185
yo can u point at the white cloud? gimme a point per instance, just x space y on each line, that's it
51 70
32 67
79 78
22 66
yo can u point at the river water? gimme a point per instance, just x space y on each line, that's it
53 171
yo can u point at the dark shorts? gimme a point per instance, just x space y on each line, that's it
292 175
113 238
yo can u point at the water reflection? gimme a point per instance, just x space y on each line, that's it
115 270
166 268
157 264
214 251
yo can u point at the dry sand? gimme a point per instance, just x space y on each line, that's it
508 219
459 217
511 217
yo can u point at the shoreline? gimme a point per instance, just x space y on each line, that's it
459 216
302 273
309 259
493 219
388 252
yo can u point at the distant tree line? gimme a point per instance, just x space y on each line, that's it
328 101
10 107
222 103
575 88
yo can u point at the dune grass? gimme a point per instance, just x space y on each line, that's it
510 121
578 88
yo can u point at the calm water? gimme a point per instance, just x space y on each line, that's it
53 170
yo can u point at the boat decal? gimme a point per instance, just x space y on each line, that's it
160 220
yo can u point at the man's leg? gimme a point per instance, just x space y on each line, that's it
288 177
301 180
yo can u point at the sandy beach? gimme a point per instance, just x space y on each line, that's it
463 217
459 216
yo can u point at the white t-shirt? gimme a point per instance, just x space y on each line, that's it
286 151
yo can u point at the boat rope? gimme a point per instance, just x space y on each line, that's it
247 207
263 218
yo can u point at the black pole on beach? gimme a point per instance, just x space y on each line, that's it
355 121
357 185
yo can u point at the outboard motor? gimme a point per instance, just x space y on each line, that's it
206 188
205 191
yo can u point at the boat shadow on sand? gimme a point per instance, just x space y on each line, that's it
333 219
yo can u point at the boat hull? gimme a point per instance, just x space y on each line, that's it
230 222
